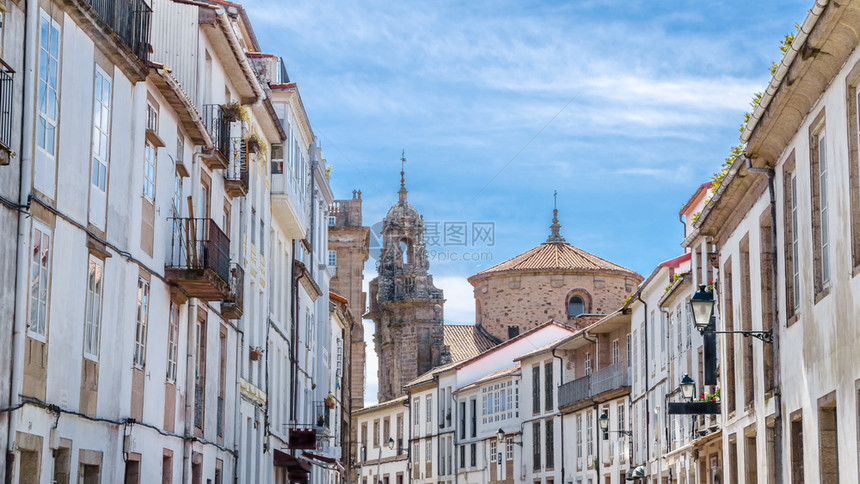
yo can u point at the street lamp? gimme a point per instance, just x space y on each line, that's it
702 306
391 443
500 435
688 386
603 423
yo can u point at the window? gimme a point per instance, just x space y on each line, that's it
548 383
101 129
550 445
40 271
177 196
428 451
142 323
536 445
462 420
386 430
149 159
474 416
332 258
375 433
627 347
180 147
416 406
790 237
48 86
615 352
332 221
416 453
621 424
513 331
473 455
172 342
579 436
493 451
536 389
509 449
823 208
93 313
589 430
429 410
277 159
575 306
820 206
462 456
499 402
587 363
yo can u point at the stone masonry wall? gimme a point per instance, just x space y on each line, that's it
529 300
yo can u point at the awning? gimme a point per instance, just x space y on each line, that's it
328 460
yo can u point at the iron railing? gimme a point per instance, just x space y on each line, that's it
321 416
6 85
237 168
610 378
604 380
130 19
218 127
199 244
574 391
236 295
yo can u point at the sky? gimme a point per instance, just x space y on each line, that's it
624 107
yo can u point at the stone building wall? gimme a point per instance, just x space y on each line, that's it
528 300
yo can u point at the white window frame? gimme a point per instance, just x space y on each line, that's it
40 283
100 145
332 258
45 118
93 307
172 342
616 355
141 323
587 363
823 208
795 243
150 161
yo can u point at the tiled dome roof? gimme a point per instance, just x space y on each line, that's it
556 257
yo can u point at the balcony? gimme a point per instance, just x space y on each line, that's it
218 127
236 174
199 259
574 391
614 378
321 417
130 19
288 205
6 86
611 378
232 305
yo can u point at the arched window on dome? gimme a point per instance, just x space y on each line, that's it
575 306
406 250
578 303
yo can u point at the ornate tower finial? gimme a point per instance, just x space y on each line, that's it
555 235
403 177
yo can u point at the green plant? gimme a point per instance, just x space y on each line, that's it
233 111
675 277
328 172
697 214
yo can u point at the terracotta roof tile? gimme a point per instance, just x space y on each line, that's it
465 341
556 257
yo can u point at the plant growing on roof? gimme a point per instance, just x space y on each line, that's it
253 143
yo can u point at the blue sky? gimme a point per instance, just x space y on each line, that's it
624 107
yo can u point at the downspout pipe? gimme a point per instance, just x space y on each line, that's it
647 390
561 422
774 307
190 358
24 183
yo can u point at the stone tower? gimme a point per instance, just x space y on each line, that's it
405 306
553 281
350 241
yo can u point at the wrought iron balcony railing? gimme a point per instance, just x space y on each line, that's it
200 258
130 19
321 416
610 378
232 306
6 88
236 174
218 127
